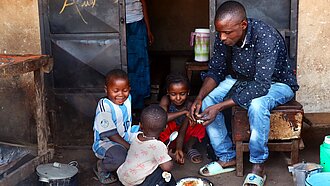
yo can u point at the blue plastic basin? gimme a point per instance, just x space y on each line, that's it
318 179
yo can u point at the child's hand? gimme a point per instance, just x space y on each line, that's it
179 157
188 116
192 123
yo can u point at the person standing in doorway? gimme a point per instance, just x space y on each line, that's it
250 67
138 36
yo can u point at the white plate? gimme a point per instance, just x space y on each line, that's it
193 181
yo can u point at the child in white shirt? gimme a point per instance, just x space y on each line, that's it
147 157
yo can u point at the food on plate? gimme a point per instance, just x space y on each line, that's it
190 183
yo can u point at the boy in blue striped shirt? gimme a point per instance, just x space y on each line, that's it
112 126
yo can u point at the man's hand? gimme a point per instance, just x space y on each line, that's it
209 114
179 157
195 108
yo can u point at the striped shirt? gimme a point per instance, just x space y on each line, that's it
111 119
133 11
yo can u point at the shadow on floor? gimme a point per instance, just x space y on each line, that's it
276 167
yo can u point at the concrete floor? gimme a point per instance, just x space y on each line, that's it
276 167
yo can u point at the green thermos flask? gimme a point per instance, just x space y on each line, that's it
325 154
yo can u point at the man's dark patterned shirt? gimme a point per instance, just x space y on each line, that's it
262 60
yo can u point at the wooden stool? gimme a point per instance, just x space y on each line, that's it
284 135
195 66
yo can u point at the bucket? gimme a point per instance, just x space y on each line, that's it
201 36
325 154
318 179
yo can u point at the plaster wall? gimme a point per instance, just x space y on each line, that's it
313 55
19 27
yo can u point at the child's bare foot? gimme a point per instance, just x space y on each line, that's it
102 176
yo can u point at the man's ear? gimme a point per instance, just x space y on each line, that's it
244 24
105 89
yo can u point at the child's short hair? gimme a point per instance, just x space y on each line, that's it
176 78
153 118
115 73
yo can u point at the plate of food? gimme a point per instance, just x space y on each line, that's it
193 181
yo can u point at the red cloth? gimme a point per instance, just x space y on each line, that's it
197 131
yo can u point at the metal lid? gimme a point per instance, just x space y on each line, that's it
306 166
56 170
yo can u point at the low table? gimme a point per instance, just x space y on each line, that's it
17 65
195 66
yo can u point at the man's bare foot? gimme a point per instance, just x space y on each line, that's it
228 163
258 169
223 165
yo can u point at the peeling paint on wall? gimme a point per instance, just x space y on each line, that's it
19 27
314 56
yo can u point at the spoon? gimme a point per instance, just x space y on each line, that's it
173 136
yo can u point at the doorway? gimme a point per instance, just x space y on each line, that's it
86 39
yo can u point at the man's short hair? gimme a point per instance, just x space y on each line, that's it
230 8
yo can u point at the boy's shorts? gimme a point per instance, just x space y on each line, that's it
197 131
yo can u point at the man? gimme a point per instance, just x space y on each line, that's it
250 68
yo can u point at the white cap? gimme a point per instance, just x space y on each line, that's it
327 139
202 30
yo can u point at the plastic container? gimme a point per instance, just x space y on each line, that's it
325 154
201 36
318 179
301 171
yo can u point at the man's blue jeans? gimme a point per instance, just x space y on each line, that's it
259 118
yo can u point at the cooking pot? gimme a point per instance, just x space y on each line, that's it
300 171
58 174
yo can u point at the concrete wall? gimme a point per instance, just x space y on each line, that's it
19 27
313 55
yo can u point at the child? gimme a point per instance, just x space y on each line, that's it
176 104
112 126
148 158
